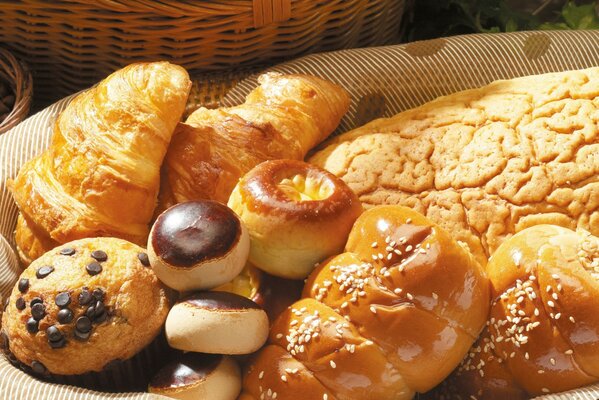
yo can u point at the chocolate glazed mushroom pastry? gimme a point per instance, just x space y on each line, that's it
542 333
83 306
297 215
391 316
198 245
195 376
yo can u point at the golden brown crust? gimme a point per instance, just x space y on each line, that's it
107 146
400 320
541 336
484 163
284 117
32 243
135 302
296 214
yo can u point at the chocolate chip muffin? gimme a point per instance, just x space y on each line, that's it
83 306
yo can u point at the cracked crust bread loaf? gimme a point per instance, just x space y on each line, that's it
484 163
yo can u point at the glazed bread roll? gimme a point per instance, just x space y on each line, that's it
484 163
296 214
390 317
284 117
542 334
100 175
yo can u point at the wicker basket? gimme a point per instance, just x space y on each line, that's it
71 44
15 82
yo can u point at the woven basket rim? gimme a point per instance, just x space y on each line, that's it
16 75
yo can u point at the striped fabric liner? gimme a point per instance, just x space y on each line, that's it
382 82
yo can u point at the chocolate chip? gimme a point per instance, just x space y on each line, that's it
54 334
65 316
32 325
99 255
3 340
20 304
67 251
91 312
94 268
83 324
58 344
85 297
38 311
143 258
23 285
44 271
63 299
82 335
38 367
101 317
99 308
98 294
35 300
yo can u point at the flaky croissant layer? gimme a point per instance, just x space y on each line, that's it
283 118
100 175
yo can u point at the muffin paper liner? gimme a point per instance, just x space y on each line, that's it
382 82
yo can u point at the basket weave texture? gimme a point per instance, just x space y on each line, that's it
74 43
16 77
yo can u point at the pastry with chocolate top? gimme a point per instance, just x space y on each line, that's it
82 306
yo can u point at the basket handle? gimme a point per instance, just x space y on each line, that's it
269 11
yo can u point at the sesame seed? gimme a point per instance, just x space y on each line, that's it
372 309
409 247
274 395
555 276
398 252
409 296
397 290
333 365
552 360
554 295
374 244
572 319
435 296
387 239
325 396
536 312
279 335
261 375
551 303
545 390
283 378
526 355
409 221
344 305
374 257
389 256
558 315
540 371
569 352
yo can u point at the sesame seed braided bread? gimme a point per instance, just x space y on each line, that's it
544 323
391 316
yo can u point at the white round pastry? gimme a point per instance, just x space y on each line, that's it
198 376
217 323
297 215
198 245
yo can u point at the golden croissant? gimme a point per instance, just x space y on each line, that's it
284 117
100 175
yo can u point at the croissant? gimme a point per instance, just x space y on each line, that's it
100 175
284 117
542 335
392 316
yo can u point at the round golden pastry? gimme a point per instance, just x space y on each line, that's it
82 306
544 324
297 215
390 317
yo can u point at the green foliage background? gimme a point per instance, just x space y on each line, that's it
435 18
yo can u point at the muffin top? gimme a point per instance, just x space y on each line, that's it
84 305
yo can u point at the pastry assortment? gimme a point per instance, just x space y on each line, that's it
449 251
